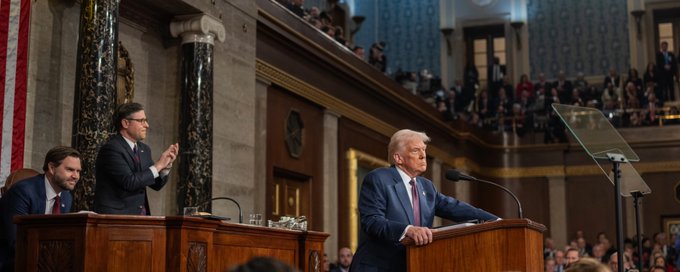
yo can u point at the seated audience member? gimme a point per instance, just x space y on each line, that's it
344 260
377 58
264 264
560 262
572 256
587 265
295 6
48 193
524 85
359 52
580 82
657 269
610 98
614 262
549 264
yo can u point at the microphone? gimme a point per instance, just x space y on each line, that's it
240 214
455 175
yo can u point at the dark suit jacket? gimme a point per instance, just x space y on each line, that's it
385 212
25 197
121 183
661 62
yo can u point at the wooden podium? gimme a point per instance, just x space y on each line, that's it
505 245
93 242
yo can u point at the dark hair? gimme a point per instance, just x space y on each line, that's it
125 110
57 154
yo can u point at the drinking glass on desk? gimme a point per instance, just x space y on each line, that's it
190 211
255 219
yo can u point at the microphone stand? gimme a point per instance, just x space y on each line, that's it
519 205
240 214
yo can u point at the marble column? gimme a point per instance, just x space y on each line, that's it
95 95
198 34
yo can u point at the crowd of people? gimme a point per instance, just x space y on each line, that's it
501 105
658 254
323 20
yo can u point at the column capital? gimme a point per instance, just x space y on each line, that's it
199 28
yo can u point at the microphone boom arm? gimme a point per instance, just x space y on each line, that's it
240 214
519 205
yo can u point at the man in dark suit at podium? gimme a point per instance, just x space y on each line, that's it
395 202
42 194
124 167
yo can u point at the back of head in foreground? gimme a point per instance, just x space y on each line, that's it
587 265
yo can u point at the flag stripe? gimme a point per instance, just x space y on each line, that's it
5 138
14 25
20 89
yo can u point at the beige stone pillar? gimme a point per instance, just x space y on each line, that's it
558 210
330 176
437 181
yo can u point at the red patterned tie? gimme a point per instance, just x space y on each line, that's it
56 207
416 201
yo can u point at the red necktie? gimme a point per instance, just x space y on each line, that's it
416 202
56 207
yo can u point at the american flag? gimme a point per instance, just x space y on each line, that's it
14 22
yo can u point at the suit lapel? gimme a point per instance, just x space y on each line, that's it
42 195
126 147
400 190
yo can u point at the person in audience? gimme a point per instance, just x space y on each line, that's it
496 74
524 85
471 78
634 78
563 86
658 269
475 120
612 78
580 82
631 96
588 265
124 167
571 256
610 98
650 78
382 190
576 98
614 262
295 6
48 193
508 88
339 35
376 57
548 247
599 252
549 264
314 13
328 30
542 82
560 261
344 260
584 249
485 106
651 109
359 52
660 261
667 66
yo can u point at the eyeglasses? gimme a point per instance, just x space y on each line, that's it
140 120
